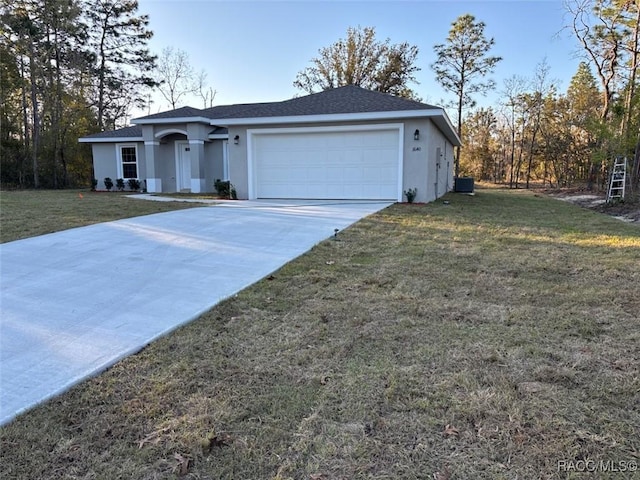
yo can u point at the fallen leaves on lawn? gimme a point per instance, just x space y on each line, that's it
152 438
182 468
450 431
216 441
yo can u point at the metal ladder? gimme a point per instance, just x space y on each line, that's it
618 180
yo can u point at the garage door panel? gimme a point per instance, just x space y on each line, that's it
317 174
372 176
327 165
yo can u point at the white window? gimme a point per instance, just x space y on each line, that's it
127 161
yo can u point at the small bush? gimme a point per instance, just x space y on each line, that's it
120 184
108 183
225 189
411 194
134 184
94 184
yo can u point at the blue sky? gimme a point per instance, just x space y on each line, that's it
252 50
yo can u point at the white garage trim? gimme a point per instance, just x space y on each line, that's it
252 154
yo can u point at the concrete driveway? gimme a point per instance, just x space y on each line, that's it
74 303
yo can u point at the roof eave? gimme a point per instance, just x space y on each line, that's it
437 114
162 121
322 118
109 139
446 127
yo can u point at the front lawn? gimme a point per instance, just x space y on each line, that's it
28 213
496 337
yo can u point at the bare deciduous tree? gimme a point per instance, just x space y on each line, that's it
175 76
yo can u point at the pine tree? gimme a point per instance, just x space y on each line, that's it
584 96
463 63
118 40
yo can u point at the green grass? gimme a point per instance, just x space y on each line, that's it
490 338
28 213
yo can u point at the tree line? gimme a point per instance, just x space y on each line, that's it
535 133
538 134
69 68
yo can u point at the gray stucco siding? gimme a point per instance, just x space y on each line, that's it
104 163
425 169
106 158
416 159
213 153
238 162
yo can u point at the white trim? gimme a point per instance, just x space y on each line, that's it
110 139
332 128
251 190
225 160
157 121
436 114
251 132
177 155
400 162
120 170
169 131
151 143
329 117
196 142
218 136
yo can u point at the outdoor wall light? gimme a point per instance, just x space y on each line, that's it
416 134
236 139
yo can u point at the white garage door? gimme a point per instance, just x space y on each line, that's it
327 164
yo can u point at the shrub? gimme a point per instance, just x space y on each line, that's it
134 184
120 184
225 189
108 183
94 184
411 194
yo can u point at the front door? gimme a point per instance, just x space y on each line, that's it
183 166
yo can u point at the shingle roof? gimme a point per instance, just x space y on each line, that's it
343 100
232 111
134 131
348 99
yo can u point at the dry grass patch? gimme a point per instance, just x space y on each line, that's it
28 213
489 338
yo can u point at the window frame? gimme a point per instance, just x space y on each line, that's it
119 148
